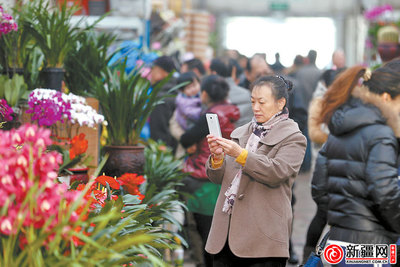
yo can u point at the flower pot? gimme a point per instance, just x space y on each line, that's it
388 51
79 174
12 71
52 78
124 159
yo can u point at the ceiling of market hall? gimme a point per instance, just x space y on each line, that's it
290 7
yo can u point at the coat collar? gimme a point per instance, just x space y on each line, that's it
392 119
278 133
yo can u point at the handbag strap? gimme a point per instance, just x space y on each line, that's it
322 243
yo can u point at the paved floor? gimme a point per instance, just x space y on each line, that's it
304 211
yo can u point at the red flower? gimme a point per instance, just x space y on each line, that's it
103 179
130 182
76 240
22 242
79 145
131 178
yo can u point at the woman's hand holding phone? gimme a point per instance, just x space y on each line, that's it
230 147
216 150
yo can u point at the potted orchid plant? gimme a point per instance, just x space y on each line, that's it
64 114
44 223
8 26
54 33
18 52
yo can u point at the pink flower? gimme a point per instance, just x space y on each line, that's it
377 11
7 23
5 111
368 44
21 153
156 46
50 109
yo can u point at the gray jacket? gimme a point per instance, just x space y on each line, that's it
240 97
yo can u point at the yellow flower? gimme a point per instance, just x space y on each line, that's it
104 136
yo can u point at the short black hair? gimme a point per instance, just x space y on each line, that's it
298 60
220 66
329 76
187 77
195 63
224 67
312 56
166 63
235 63
248 64
216 87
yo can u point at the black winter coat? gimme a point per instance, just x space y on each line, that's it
160 116
356 179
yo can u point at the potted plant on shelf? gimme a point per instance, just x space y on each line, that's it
126 101
55 35
8 33
18 52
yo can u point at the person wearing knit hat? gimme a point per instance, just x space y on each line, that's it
162 66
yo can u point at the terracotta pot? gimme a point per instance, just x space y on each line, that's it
124 159
79 174
388 51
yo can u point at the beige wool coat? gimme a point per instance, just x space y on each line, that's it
261 218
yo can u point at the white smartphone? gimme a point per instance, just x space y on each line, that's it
213 124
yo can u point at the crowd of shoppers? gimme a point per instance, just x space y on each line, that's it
240 186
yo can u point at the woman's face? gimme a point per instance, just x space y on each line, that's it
192 89
264 104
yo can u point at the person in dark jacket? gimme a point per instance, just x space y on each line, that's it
214 93
318 132
195 65
355 179
162 113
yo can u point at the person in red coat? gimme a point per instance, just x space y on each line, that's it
214 93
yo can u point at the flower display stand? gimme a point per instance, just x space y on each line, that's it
92 134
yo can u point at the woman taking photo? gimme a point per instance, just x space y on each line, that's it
355 179
256 169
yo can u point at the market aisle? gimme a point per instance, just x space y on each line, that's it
304 210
